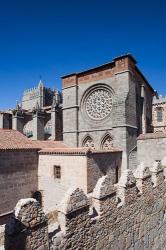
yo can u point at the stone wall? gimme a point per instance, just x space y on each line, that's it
103 164
151 147
81 171
39 94
2 235
32 96
114 98
159 104
27 229
129 215
18 177
73 172
5 120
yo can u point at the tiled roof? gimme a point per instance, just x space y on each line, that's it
76 151
12 139
50 144
156 135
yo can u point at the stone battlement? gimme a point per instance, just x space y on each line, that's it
128 215
39 86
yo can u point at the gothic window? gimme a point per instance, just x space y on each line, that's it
159 115
107 143
98 104
57 172
88 142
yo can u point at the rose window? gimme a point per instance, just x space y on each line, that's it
99 104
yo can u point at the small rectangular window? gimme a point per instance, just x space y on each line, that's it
159 115
57 172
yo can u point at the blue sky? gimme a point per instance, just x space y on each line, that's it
52 38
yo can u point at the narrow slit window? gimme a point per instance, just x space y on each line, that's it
57 172
117 175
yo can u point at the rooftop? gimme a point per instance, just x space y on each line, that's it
50 144
76 151
102 65
12 139
111 64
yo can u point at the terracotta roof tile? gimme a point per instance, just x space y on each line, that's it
50 144
76 151
12 139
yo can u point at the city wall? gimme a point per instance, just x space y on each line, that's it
128 215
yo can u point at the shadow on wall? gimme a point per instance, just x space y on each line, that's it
27 228
15 235
38 196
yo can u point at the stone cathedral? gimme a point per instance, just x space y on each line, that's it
101 108
38 116
107 106
93 156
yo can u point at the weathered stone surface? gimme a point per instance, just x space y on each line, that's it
127 179
143 178
28 228
104 187
73 200
138 224
142 171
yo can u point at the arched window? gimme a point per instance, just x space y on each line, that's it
107 142
88 142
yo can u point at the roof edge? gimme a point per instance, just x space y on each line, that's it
101 66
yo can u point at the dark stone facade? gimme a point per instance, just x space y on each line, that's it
113 101
104 107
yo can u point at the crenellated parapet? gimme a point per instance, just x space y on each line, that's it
126 215
143 178
27 228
